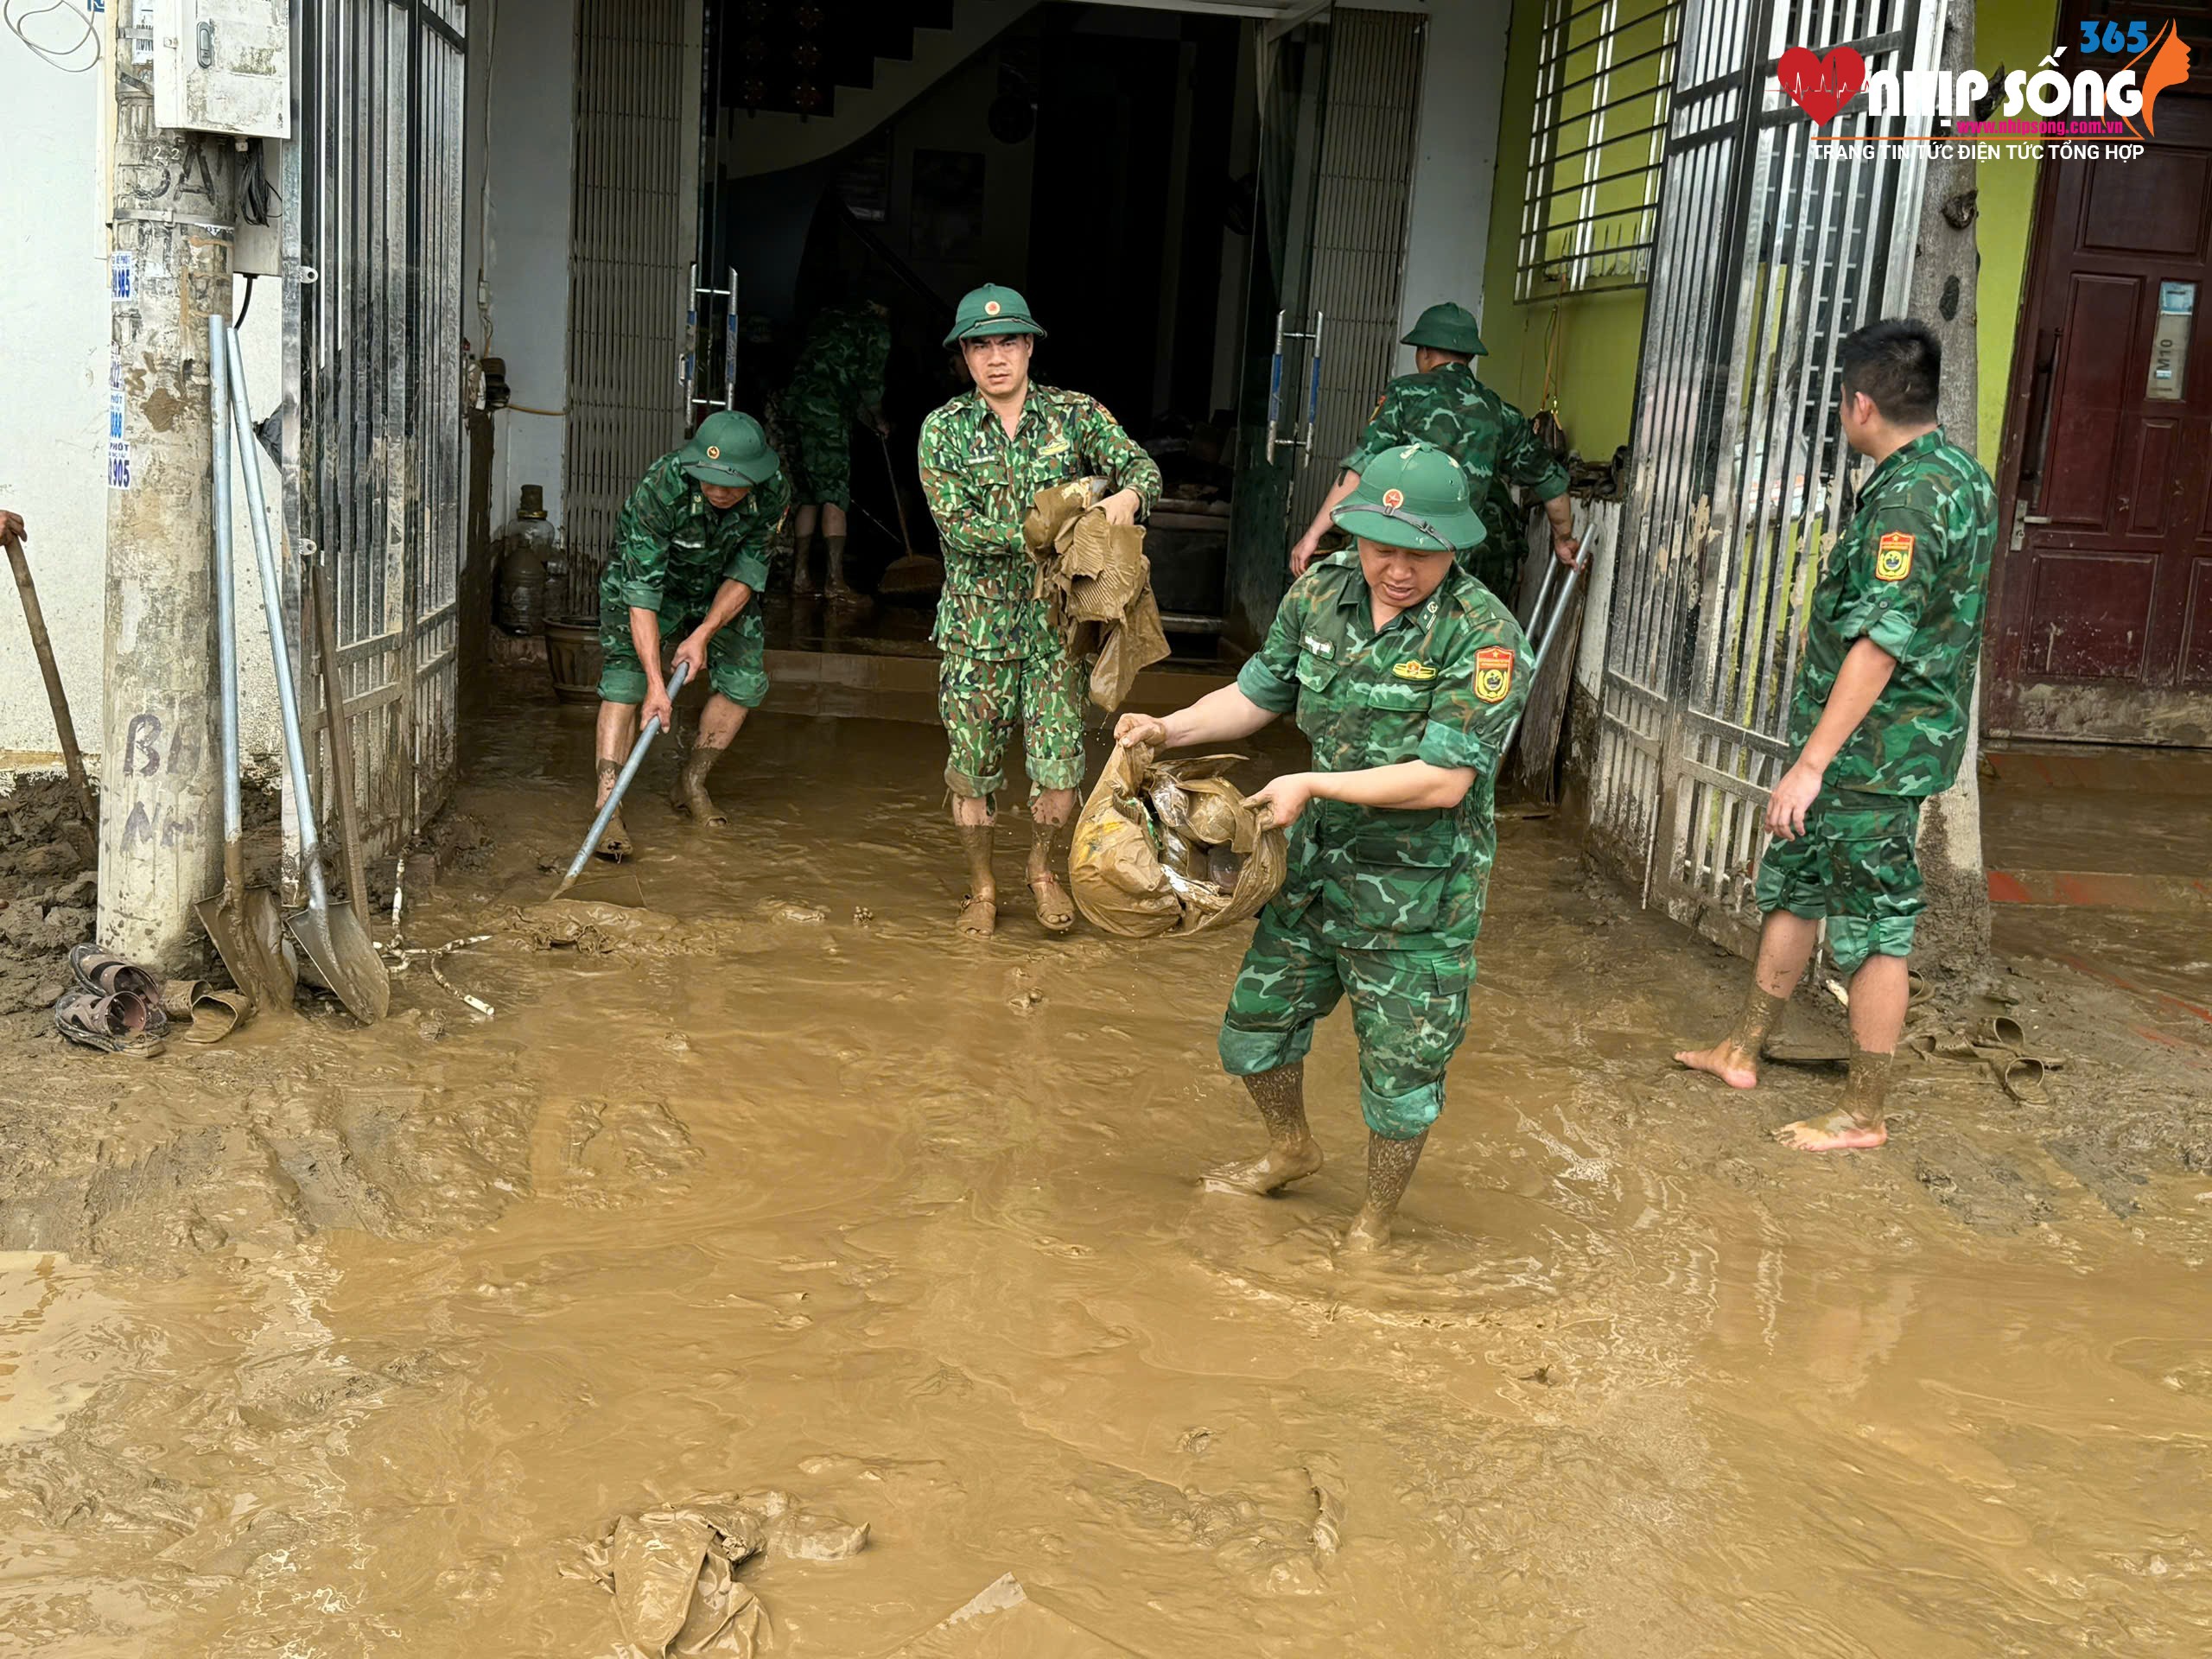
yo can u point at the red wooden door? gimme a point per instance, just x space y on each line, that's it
2103 605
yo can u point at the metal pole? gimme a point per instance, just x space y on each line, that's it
622 784
280 653
226 620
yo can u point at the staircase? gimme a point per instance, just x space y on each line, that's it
777 58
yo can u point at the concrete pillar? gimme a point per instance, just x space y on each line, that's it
161 808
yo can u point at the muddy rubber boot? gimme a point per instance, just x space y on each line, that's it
802 583
840 590
979 910
690 795
1391 1165
1291 1154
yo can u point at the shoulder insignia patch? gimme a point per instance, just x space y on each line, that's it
1893 556
1493 672
1415 671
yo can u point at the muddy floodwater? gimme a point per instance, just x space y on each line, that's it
328 1341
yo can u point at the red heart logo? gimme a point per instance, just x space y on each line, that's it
1821 86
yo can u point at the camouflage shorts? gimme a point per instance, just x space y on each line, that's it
1409 1011
820 458
983 701
737 658
1854 865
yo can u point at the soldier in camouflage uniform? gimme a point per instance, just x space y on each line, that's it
984 456
1879 724
1408 676
690 551
1442 402
839 381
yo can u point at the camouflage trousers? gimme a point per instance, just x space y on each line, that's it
1855 864
1409 1011
983 701
737 656
820 458
1495 562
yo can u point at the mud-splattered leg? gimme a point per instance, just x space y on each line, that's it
1292 1154
972 822
1391 1165
1785 946
618 730
1052 818
1880 993
719 723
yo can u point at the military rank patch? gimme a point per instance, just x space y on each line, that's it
1493 673
1425 671
1893 556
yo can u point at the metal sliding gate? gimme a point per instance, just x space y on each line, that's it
1771 247
631 245
376 451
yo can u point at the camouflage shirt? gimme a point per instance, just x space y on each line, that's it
1908 572
981 483
843 358
672 548
1444 682
1449 408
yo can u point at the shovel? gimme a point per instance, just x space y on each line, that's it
912 573
622 783
245 925
335 943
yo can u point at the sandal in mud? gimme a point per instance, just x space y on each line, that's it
104 972
979 918
121 1022
1055 910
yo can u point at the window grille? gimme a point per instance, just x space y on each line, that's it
1605 84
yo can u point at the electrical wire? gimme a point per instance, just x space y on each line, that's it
240 321
56 56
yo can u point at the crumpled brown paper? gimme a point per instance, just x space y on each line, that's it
673 1572
1098 582
1170 847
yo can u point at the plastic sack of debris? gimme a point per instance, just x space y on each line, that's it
1169 847
1095 577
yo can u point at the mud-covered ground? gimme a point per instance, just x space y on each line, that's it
330 1341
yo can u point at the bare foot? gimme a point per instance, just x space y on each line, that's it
1726 1061
1277 1168
1837 1132
979 916
1368 1232
615 843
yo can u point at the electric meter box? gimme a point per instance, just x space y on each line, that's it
224 65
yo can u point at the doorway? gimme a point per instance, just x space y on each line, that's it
2102 600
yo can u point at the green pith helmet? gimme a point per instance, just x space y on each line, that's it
729 449
989 310
1414 496
1448 327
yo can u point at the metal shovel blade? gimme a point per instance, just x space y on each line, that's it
250 939
342 957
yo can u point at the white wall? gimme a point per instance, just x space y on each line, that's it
522 133
55 341
1463 80
54 358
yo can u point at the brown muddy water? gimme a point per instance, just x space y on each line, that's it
334 1342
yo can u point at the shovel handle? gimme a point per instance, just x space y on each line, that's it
898 496
43 647
622 783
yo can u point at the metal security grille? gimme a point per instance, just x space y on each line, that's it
1604 74
1771 247
376 479
1359 230
629 264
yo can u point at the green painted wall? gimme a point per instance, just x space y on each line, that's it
1590 341
2015 35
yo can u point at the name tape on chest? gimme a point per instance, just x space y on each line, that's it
1493 673
1893 556
1319 647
